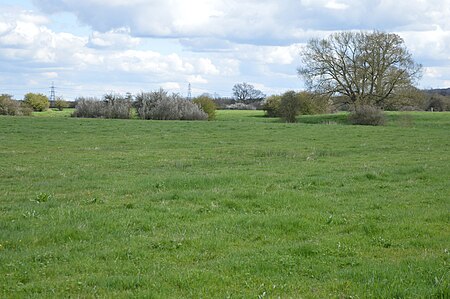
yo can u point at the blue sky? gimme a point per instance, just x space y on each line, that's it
91 47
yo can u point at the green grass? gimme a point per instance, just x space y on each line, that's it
244 206
54 113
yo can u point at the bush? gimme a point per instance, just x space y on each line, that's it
272 106
117 106
207 105
313 103
367 115
88 107
190 111
112 106
60 104
309 104
162 106
37 101
8 106
290 106
147 101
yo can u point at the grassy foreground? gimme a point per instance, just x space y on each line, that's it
243 206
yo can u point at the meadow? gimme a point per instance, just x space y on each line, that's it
241 207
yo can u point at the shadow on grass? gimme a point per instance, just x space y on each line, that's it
319 119
339 118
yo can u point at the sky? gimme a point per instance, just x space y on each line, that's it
94 47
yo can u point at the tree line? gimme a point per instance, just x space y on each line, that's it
361 72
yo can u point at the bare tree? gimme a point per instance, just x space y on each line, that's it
366 68
244 92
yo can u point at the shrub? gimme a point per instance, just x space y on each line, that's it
88 107
367 115
162 106
112 106
207 105
37 101
311 103
289 106
60 104
272 106
117 106
24 111
190 111
8 106
147 101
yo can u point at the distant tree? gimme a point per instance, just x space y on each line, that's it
60 103
366 67
437 102
290 106
244 92
222 103
407 99
272 106
37 101
207 104
9 106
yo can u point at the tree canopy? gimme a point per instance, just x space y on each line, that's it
37 101
244 92
366 68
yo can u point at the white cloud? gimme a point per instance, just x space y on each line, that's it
206 66
333 4
196 79
172 86
143 44
432 46
267 22
28 47
50 75
114 39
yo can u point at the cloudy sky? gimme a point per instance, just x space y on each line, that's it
91 47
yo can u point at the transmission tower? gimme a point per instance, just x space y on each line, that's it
52 93
189 95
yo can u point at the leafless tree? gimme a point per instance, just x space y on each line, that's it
366 68
244 92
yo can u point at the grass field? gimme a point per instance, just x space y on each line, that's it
241 207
